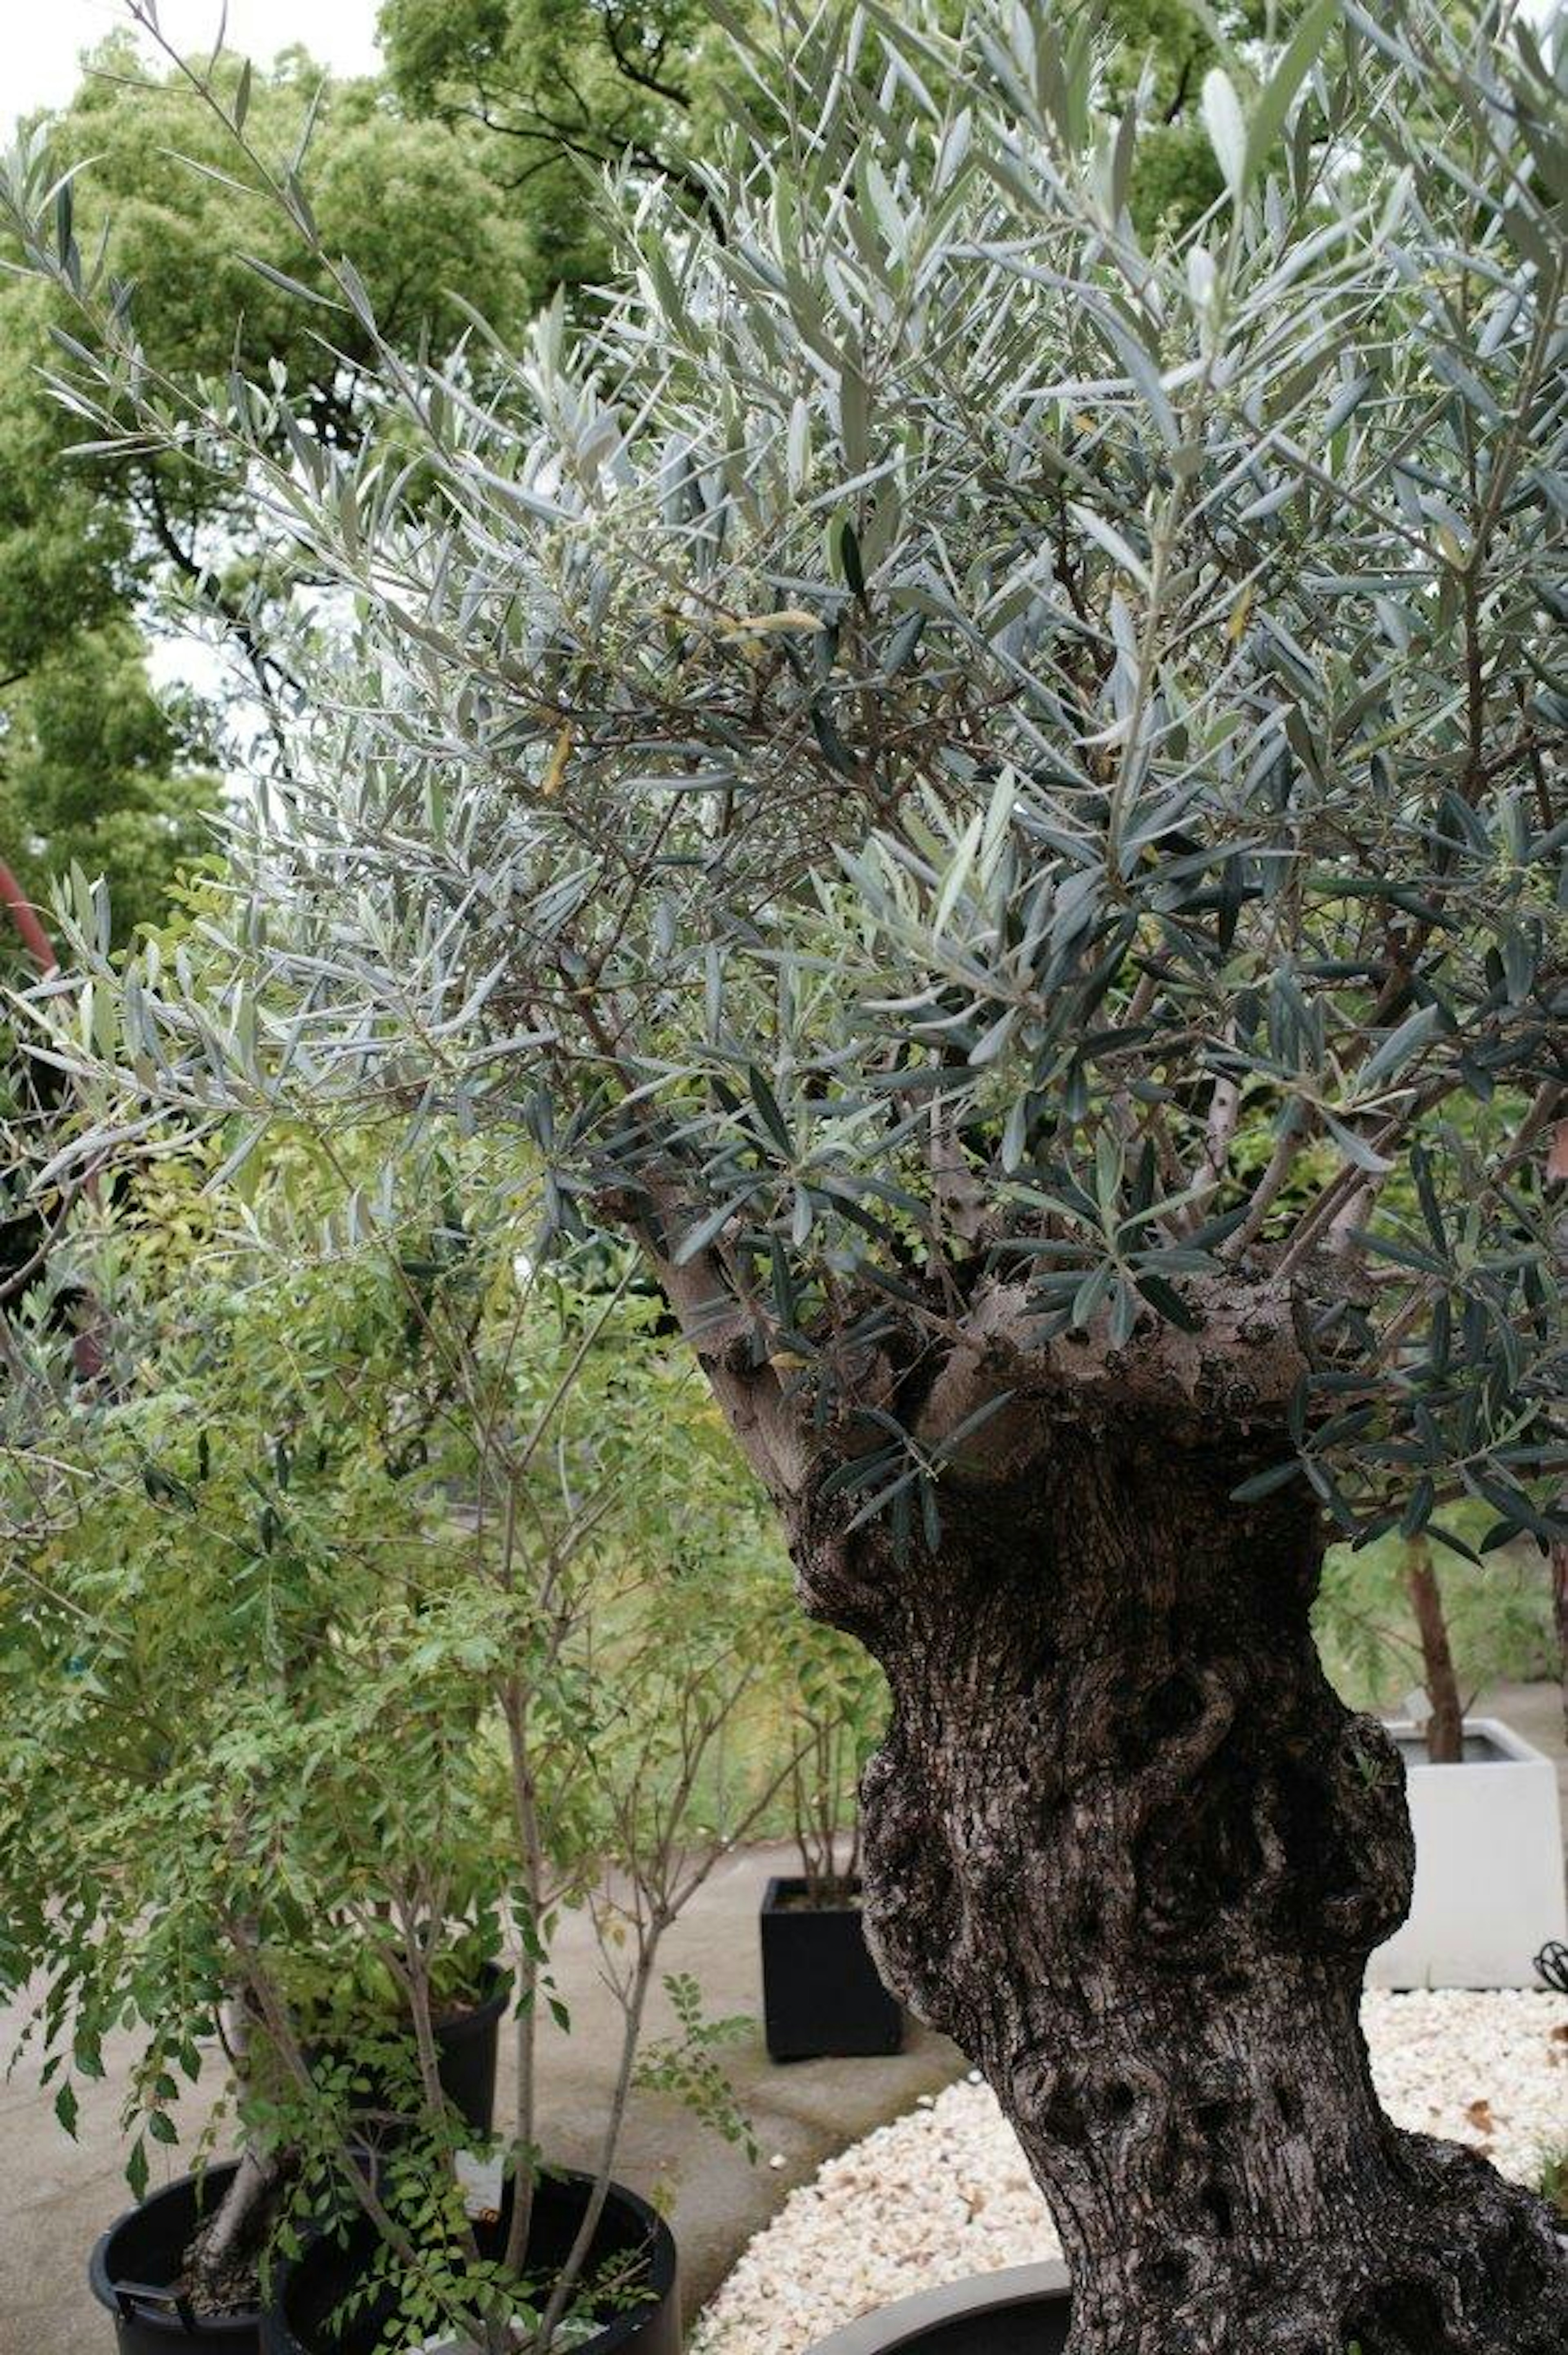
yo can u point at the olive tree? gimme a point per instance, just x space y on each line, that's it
989 792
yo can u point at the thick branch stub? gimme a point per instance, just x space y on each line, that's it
1237 1371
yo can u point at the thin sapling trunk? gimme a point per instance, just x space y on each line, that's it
1445 1719
814 1787
635 2003
524 1802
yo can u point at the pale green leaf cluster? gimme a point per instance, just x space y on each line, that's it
940 740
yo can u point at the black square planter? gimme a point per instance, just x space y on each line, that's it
821 1995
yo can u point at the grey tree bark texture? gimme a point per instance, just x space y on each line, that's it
1125 1844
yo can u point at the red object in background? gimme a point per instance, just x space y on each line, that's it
86 1351
25 916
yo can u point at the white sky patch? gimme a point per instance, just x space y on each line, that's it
41 46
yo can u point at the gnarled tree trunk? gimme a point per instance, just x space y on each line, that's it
1125 1844
1123 1841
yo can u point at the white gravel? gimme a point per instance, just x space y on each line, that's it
944 2191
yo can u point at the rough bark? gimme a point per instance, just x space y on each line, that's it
1122 1840
1126 1845
1446 1724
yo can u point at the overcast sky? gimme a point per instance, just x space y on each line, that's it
41 40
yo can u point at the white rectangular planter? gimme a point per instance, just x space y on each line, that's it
1488 1865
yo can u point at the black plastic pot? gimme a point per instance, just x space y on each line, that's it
465 2056
465 2053
134 2262
144 2252
302 2319
1023 2310
821 1995
465 2049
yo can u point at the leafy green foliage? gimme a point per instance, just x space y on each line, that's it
686 2063
1499 1615
65 553
93 765
997 714
388 1599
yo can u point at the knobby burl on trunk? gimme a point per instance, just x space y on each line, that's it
1126 1845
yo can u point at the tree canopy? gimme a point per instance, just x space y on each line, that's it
461 177
983 784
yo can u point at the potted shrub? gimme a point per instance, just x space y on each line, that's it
821 1993
980 784
213 1509
447 1671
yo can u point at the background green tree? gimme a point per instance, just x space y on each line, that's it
92 762
565 83
93 774
96 765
